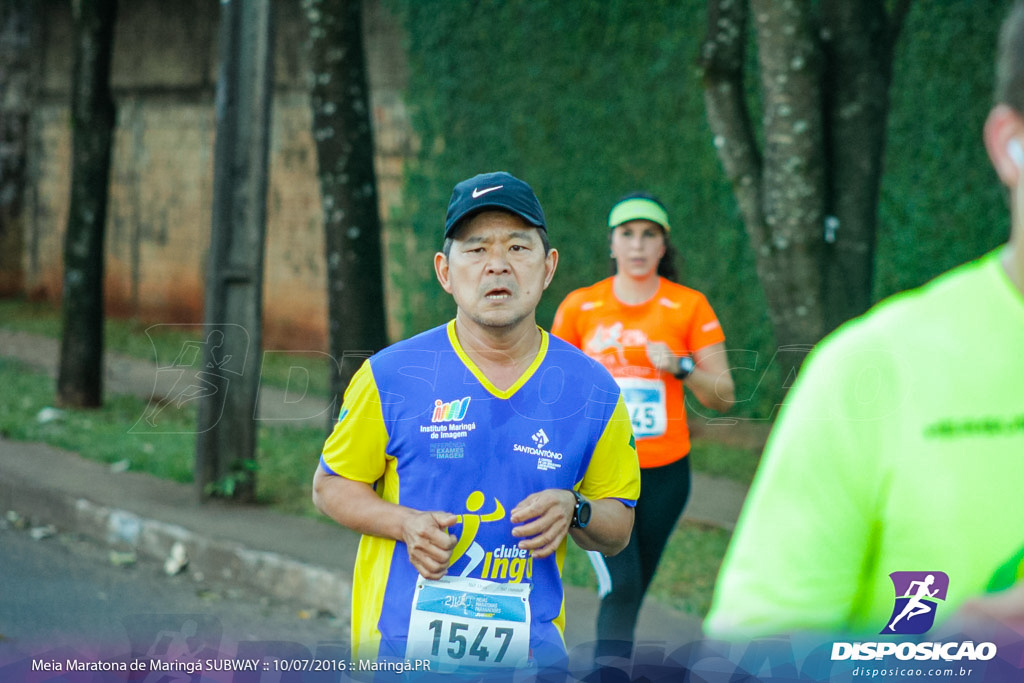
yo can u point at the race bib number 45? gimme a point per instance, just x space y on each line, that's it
464 623
645 400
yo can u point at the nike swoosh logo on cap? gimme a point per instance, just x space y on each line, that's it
479 193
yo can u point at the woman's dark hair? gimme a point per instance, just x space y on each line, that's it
667 264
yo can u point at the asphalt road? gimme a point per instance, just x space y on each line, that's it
66 597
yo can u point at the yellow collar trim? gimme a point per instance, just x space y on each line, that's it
523 379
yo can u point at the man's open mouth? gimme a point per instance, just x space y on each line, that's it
498 294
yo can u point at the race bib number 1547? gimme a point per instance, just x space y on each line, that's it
465 623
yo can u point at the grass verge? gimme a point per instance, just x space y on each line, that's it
286 456
162 343
686 574
722 460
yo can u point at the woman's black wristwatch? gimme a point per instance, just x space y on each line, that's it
581 513
686 366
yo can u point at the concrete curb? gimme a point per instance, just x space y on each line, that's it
122 529
269 572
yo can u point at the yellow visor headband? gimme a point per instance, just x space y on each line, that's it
637 208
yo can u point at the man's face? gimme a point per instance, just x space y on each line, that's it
496 270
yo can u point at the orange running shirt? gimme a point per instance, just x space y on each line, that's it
616 334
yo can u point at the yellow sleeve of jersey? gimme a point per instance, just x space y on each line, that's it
356 448
614 470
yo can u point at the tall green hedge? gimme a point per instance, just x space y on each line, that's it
589 99
941 201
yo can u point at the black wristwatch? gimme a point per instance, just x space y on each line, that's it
686 366
581 513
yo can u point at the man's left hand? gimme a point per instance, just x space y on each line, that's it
542 520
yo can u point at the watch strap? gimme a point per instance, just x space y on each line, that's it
575 523
684 368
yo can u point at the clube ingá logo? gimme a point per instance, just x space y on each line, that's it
917 598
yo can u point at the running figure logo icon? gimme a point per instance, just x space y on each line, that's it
917 594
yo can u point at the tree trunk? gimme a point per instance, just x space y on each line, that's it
858 41
809 198
80 377
226 440
793 187
16 96
344 142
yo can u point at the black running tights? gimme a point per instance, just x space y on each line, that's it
663 495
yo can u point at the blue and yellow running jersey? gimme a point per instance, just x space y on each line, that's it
422 424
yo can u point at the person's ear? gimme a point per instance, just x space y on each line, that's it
442 272
550 266
1003 133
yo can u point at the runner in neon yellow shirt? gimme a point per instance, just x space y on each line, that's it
899 450
901 446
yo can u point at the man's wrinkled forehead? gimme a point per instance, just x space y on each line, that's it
491 237
507 224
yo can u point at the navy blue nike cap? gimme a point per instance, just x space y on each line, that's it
499 190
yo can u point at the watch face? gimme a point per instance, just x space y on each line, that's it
583 514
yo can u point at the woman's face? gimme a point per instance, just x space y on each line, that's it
637 247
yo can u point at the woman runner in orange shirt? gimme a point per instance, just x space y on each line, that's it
653 335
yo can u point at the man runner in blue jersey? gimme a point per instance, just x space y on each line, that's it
467 455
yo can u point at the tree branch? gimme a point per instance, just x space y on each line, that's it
722 59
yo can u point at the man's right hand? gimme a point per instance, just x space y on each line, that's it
986 616
429 544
